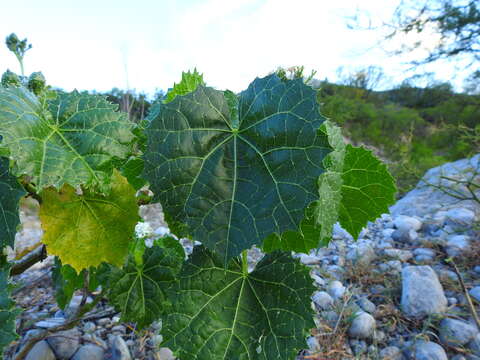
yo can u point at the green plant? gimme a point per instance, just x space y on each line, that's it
262 167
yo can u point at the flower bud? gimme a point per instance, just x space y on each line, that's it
9 78
36 83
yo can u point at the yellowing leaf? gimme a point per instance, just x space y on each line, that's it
86 230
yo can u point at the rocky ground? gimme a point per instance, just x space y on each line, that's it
409 288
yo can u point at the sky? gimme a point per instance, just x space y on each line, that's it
144 45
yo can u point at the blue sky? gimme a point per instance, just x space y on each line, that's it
145 44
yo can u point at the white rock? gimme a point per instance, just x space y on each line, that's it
403 255
460 216
361 254
119 348
422 293
336 289
427 350
391 353
474 345
65 343
407 223
165 354
387 232
49 323
309 259
455 332
362 326
475 293
89 352
457 244
318 280
41 351
322 299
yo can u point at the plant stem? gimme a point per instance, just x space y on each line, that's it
244 262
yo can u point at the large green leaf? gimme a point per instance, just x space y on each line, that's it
355 189
330 185
303 240
368 189
85 230
10 193
73 139
221 313
316 228
8 312
138 289
132 170
236 182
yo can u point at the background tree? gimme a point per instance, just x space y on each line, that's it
456 22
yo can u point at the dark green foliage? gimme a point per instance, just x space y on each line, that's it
223 313
138 289
8 312
412 127
10 194
66 281
235 184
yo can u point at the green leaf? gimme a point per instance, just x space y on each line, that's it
66 281
10 194
355 189
85 230
316 228
222 313
330 186
8 312
368 189
190 81
299 241
235 186
132 170
138 290
73 139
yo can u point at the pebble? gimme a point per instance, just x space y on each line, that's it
405 236
426 350
474 345
366 305
119 350
402 255
406 223
65 343
362 254
323 300
165 354
309 259
362 326
475 293
391 353
460 216
455 332
336 289
457 244
422 293
89 327
89 352
41 351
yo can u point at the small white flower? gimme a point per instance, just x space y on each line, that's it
143 230
162 231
